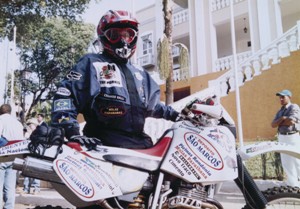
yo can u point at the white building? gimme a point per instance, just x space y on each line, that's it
265 32
204 27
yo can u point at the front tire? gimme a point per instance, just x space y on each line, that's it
284 197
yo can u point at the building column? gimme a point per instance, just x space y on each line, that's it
192 39
202 32
267 25
213 41
253 25
278 17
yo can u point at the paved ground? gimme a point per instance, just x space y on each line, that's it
229 196
44 198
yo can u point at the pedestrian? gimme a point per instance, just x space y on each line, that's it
287 122
10 129
28 182
40 119
114 96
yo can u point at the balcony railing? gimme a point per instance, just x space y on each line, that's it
221 4
146 60
180 17
226 63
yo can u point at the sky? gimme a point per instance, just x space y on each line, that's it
98 8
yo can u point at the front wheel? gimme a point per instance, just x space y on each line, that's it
284 197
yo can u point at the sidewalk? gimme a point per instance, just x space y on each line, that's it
228 193
44 198
231 187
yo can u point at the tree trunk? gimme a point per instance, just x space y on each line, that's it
167 11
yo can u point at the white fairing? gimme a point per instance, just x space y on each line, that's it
253 150
201 154
92 179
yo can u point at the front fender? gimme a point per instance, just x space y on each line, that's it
259 148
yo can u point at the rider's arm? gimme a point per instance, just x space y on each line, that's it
71 98
166 112
155 108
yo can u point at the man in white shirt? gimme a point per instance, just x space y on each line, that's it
10 129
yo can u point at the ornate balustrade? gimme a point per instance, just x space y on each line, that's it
260 61
180 17
221 4
225 63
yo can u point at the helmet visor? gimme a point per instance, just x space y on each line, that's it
116 34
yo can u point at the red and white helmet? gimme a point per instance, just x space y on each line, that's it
118 33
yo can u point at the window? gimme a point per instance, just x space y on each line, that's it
147 44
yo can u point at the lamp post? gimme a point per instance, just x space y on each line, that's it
12 93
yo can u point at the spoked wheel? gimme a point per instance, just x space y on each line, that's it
284 197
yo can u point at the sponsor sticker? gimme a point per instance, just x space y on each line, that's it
76 180
89 179
15 148
62 104
204 151
63 91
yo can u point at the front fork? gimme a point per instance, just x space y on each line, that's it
253 196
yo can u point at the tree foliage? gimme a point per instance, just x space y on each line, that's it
163 61
30 14
48 54
183 61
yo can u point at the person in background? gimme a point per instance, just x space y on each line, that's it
114 96
31 182
10 129
287 122
40 119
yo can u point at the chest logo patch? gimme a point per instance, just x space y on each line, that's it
108 74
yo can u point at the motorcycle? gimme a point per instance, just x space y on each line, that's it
181 170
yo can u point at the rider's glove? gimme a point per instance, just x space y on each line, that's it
90 143
180 117
174 116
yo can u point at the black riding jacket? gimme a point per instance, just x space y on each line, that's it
114 98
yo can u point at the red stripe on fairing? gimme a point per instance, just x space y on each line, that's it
158 149
13 142
75 145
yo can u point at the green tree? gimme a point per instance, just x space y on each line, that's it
49 54
31 13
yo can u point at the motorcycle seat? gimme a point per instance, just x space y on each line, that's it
159 149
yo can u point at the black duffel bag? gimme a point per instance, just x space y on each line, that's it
44 137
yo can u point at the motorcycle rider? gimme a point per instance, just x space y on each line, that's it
114 96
